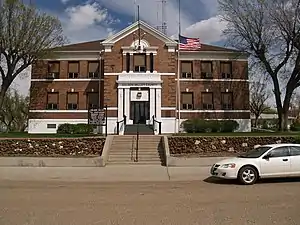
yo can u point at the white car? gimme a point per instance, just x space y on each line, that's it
266 161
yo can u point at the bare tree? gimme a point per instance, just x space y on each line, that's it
259 95
26 35
14 113
270 31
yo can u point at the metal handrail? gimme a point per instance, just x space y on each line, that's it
118 124
158 122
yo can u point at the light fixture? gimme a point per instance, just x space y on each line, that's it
72 90
52 90
186 90
206 90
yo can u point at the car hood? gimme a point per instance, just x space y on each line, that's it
235 160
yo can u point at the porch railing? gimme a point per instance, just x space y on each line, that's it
156 122
121 122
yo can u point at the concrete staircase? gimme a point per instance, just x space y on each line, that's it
123 150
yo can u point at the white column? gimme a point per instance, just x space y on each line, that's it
120 104
158 104
127 103
152 102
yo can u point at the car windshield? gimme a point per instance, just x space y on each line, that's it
255 153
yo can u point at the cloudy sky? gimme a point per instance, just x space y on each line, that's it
86 20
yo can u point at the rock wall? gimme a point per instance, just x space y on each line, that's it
219 146
61 147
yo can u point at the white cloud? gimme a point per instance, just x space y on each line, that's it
65 1
208 31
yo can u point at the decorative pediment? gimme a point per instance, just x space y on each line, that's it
109 42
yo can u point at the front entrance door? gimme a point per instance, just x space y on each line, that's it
139 112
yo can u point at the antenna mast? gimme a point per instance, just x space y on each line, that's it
163 26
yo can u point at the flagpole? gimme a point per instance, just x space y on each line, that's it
178 69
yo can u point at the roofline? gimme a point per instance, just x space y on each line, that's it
81 51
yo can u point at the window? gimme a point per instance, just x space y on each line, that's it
186 69
279 152
72 101
92 100
52 101
139 61
226 70
207 100
127 62
93 69
151 63
226 100
187 100
206 70
53 70
295 151
73 70
51 126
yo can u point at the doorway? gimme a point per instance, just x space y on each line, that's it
139 112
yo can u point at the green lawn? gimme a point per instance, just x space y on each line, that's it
240 134
26 135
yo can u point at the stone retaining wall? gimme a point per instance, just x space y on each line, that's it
61 147
219 146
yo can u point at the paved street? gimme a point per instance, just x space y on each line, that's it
171 202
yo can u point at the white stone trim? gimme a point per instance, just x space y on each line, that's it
63 80
132 52
147 72
58 111
214 111
208 80
168 108
212 56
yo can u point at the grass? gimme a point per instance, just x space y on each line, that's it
26 135
239 134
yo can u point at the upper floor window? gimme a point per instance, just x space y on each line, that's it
227 100
187 100
139 62
53 70
186 69
226 70
93 69
92 100
52 100
207 100
72 101
206 70
73 70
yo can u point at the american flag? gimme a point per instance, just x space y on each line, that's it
186 43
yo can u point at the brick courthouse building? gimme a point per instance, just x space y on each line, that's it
139 83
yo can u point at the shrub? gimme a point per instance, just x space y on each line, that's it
295 126
75 128
214 126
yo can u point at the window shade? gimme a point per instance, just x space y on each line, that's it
72 98
226 67
73 67
53 67
93 98
186 67
93 67
227 98
187 98
206 67
207 98
139 60
52 98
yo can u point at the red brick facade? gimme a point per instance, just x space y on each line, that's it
164 62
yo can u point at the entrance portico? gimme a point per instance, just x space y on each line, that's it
139 97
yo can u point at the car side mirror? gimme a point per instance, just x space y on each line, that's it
266 157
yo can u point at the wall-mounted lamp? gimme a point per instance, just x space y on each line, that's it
72 90
186 90
226 90
52 90
206 90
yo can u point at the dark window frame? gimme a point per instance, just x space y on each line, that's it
53 75
227 106
206 74
73 75
225 75
207 106
92 106
187 106
54 106
145 63
186 75
93 75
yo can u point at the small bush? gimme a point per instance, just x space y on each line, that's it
295 126
213 126
75 128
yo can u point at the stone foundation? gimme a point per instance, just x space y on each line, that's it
219 146
62 147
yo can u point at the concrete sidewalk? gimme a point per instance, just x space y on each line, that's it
104 174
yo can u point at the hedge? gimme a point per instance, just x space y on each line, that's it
75 128
214 126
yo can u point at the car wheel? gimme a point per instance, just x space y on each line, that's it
248 175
